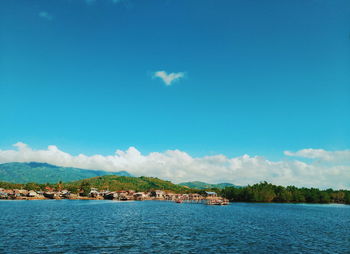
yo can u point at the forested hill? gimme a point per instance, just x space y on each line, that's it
106 182
20 172
115 183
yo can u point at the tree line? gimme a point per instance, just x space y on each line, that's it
267 192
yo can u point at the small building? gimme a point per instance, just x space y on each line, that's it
32 194
51 195
210 194
158 194
94 193
65 194
194 196
16 193
139 196
111 195
10 193
123 195
40 193
3 193
23 193
170 196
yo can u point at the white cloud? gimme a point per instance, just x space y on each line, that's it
168 78
45 15
322 155
178 166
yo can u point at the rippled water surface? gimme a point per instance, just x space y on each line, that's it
73 226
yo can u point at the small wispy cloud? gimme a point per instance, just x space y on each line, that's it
168 79
322 155
45 15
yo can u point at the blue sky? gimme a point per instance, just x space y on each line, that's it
260 77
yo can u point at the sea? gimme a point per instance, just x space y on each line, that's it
99 226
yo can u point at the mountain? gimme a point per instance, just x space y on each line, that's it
20 172
203 185
115 183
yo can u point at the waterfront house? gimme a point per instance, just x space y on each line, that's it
103 193
139 196
158 194
32 194
185 196
9 193
3 193
65 194
148 194
123 195
40 193
16 193
170 196
111 195
51 195
210 194
194 196
94 193
23 193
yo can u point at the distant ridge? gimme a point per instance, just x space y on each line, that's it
25 172
203 185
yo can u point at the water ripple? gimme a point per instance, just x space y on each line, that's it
83 226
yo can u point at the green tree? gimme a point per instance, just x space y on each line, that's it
338 196
347 198
85 188
325 197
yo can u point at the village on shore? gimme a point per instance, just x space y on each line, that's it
209 198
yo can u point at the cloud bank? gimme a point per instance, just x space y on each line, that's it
168 79
178 166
